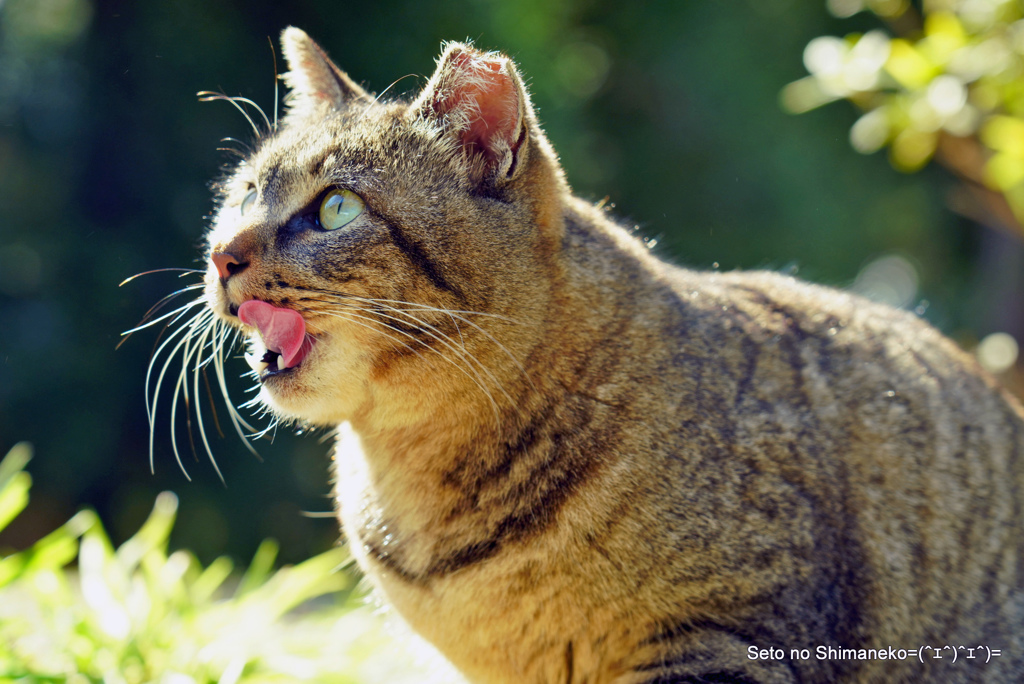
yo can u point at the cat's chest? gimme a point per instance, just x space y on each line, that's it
508 619
501 615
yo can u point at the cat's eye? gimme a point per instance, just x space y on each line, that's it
247 203
339 208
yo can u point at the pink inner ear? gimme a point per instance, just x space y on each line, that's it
481 90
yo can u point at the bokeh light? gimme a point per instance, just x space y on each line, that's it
998 352
890 279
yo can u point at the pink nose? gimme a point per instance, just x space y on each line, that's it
226 264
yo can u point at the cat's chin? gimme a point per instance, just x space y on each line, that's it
323 390
290 404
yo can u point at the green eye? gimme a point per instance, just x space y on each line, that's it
339 208
248 202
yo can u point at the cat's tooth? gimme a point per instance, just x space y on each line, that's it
255 363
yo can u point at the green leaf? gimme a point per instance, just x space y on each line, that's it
912 149
153 534
1004 171
871 132
139 615
290 587
11 568
804 95
908 66
259 569
211 579
1004 134
14 462
60 547
944 36
14 497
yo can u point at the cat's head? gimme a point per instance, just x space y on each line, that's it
378 247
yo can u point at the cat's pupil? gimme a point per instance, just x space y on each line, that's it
339 208
334 203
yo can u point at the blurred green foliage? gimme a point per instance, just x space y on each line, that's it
141 614
951 82
668 109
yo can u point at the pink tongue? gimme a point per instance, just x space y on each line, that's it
282 330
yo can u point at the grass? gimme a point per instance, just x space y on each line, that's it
75 609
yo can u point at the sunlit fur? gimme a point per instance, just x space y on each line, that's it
562 460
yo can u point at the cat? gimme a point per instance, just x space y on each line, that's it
563 460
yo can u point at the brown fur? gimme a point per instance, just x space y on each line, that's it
563 460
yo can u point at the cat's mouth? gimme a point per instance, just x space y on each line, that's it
268 362
281 344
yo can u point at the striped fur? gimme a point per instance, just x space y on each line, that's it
563 460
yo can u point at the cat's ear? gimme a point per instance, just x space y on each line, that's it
478 98
313 78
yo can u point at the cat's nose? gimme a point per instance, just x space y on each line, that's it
227 264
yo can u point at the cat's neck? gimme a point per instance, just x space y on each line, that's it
493 371
433 445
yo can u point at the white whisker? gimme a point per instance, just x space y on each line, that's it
151 410
199 414
393 84
475 376
445 340
236 420
349 315
208 96
484 332
180 310
246 146
184 272
196 321
454 315
277 81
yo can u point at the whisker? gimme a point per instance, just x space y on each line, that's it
444 339
277 81
463 353
477 380
188 288
199 414
259 109
263 411
176 313
232 150
198 319
151 405
164 300
452 314
487 334
179 311
348 315
181 390
197 339
247 146
236 420
393 84
213 404
425 307
150 411
158 270
209 96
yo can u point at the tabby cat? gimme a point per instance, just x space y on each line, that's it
562 460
